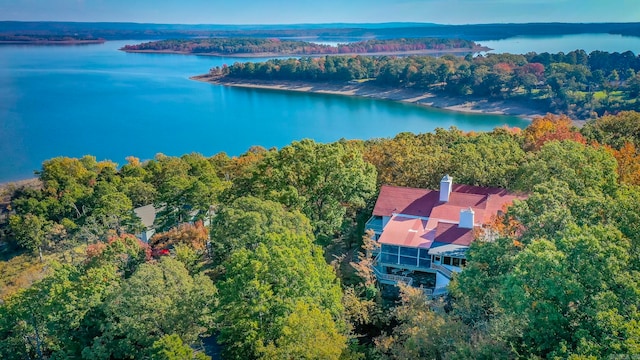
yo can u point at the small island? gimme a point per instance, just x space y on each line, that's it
258 47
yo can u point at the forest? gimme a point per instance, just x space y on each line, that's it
235 46
577 84
281 271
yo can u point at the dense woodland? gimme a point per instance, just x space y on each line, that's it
578 84
47 39
235 46
273 277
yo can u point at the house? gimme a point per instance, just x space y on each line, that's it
147 215
424 234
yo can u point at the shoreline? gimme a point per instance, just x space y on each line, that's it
281 55
412 96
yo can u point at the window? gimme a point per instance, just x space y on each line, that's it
446 260
436 258
389 258
463 262
455 262
392 249
409 251
407 260
424 254
424 263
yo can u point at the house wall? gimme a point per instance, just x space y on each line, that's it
145 236
441 280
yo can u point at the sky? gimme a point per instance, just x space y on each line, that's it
322 11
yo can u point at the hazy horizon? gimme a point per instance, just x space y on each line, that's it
252 12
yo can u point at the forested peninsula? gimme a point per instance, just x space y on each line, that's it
577 84
264 252
258 47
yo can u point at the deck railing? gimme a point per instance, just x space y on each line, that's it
374 224
446 272
435 292
390 277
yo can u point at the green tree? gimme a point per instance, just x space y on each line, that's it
583 168
307 333
244 223
262 287
56 317
157 300
29 231
323 181
171 347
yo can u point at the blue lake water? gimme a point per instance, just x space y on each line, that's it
93 99
565 43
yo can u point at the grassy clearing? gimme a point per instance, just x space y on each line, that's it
21 269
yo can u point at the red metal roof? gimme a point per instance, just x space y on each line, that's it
485 202
442 225
452 234
406 231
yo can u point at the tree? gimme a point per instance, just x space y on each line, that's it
245 223
171 347
628 158
263 286
157 300
194 235
187 187
323 181
58 316
29 231
615 130
550 127
582 167
424 332
308 333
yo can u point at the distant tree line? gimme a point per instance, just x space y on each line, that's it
233 46
577 84
42 38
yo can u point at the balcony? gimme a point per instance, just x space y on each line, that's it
375 224
390 279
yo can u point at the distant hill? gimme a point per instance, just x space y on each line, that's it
476 32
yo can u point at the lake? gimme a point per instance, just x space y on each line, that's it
565 43
93 99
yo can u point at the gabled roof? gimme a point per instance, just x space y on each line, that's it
420 219
147 215
485 202
404 231
453 234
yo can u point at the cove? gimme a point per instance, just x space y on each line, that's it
93 99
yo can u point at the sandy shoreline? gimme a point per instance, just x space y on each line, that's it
271 54
460 104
